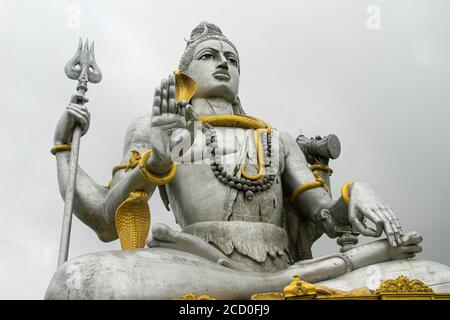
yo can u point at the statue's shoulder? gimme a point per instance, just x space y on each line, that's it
286 141
138 133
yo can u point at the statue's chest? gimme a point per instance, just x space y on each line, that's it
234 147
216 183
229 143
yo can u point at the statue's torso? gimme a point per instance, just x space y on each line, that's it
196 195
247 231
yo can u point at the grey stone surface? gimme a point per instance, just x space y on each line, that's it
434 274
160 273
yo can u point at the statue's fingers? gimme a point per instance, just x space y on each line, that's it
87 113
78 99
409 255
369 214
172 102
164 104
412 238
375 218
157 102
171 87
358 225
396 221
164 96
414 248
79 112
80 120
411 249
387 228
77 107
390 216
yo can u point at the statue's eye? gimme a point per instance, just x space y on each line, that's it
206 56
232 60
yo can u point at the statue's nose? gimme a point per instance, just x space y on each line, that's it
223 64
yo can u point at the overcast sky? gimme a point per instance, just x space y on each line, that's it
316 67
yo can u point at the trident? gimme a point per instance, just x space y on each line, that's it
81 67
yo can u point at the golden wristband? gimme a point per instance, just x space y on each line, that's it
146 173
60 147
344 192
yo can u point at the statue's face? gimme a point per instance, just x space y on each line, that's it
215 69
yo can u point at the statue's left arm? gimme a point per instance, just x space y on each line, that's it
364 202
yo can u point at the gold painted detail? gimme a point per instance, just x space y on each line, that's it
137 159
60 147
299 288
236 121
344 192
321 167
152 177
403 284
192 296
133 161
260 157
268 296
246 122
133 221
401 288
185 86
318 183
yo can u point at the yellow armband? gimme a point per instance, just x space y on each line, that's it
150 176
60 147
318 183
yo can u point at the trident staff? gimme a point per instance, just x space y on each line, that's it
81 67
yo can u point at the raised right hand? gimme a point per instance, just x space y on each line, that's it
168 126
76 113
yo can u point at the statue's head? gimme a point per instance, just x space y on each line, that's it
213 62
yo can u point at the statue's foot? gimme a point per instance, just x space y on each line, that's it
409 248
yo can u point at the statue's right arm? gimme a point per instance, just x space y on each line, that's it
89 197
94 204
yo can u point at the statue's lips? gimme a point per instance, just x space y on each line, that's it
221 75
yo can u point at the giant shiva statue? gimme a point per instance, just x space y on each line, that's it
249 201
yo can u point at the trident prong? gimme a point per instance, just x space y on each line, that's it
81 67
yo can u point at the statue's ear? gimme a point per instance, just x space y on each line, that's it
237 107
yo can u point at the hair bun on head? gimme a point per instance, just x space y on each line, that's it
205 28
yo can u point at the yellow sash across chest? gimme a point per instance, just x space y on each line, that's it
245 122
